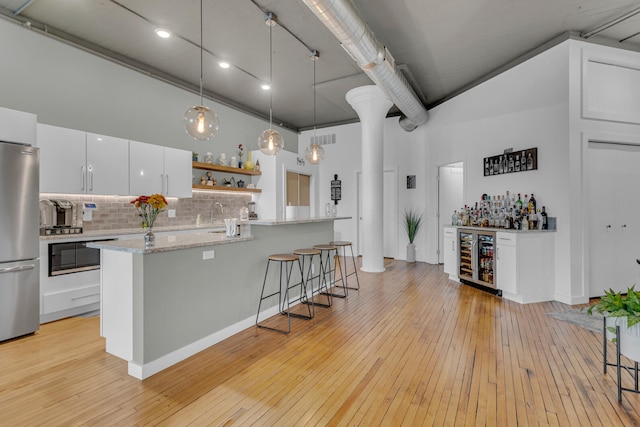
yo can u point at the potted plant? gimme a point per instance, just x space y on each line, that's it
411 224
623 311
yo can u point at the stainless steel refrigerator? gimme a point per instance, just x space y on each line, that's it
19 230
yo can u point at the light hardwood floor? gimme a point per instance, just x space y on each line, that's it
410 348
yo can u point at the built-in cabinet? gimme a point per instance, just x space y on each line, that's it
77 162
522 265
450 249
525 266
157 169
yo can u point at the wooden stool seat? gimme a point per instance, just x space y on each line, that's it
283 257
325 247
307 252
340 243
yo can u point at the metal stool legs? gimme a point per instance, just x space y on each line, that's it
286 268
327 269
343 245
310 277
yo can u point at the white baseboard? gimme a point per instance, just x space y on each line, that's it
148 369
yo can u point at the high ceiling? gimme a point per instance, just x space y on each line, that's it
442 47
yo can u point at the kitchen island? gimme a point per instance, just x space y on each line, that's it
162 304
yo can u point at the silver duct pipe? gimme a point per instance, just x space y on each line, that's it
343 20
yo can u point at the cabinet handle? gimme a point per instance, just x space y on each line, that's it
497 253
167 192
90 178
18 268
453 249
82 177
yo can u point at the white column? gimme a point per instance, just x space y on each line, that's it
372 105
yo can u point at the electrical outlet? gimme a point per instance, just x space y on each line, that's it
208 254
171 213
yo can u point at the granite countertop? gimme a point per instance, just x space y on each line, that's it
502 230
296 220
216 226
170 243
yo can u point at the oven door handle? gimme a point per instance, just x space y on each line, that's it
17 268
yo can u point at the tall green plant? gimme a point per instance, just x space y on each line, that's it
412 224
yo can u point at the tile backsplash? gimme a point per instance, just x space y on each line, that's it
115 212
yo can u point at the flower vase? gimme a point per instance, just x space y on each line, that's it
249 165
240 164
149 238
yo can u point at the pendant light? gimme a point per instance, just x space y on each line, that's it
270 141
314 152
199 121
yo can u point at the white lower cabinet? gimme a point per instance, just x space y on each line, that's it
525 266
450 252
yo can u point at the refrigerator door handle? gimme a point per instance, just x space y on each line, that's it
18 268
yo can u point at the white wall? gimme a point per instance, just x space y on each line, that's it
403 151
69 87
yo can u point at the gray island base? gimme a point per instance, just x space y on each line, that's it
164 304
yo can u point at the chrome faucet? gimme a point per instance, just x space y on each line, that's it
211 211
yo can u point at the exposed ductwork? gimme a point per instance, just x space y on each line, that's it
343 20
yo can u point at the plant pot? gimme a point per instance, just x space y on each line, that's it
629 337
411 252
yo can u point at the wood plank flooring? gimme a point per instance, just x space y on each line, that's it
410 348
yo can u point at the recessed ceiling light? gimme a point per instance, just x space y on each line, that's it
265 86
223 64
162 33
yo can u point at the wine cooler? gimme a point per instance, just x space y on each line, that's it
477 259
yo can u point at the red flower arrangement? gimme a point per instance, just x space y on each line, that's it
149 207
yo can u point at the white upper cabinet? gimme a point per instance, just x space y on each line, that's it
107 165
177 172
156 169
74 162
62 160
146 168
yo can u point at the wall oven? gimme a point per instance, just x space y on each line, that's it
73 257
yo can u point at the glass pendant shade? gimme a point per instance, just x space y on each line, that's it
270 142
201 123
314 154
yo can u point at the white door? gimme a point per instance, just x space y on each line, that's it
107 165
390 214
611 198
145 168
177 172
450 198
62 160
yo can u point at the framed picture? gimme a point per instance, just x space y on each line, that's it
511 162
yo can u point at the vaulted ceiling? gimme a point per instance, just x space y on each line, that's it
441 47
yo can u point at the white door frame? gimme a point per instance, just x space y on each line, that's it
444 218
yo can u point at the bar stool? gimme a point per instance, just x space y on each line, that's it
309 277
286 262
327 252
343 244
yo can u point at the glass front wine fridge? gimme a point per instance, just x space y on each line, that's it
477 257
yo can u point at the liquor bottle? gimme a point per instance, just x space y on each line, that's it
517 165
539 220
495 167
545 225
500 166
510 164
532 204
486 167
505 164
518 203
529 162
454 218
533 221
